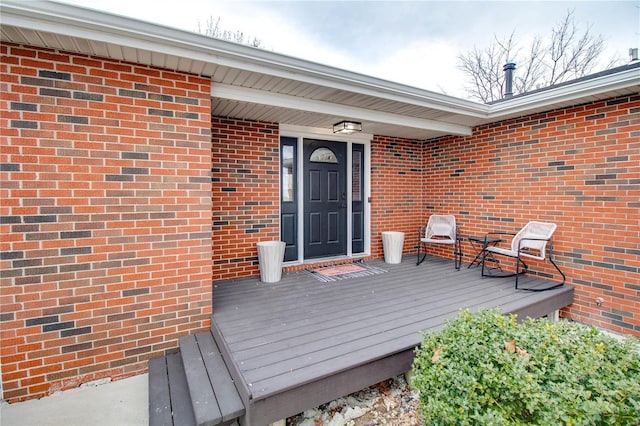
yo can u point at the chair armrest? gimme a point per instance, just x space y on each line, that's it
532 239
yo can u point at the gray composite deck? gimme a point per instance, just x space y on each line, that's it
292 345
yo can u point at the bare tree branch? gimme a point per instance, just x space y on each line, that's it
214 29
567 53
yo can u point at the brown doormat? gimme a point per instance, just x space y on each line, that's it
343 272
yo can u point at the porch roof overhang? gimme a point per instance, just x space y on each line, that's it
256 84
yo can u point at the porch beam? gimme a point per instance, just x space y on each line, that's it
260 97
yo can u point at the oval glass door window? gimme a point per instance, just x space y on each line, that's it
323 155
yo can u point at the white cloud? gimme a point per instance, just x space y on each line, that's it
423 64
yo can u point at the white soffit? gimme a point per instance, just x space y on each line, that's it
244 94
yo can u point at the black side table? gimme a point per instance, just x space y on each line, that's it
478 244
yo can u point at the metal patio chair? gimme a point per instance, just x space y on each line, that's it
440 229
531 241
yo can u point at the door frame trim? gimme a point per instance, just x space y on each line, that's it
300 133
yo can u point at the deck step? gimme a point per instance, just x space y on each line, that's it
169 400
193 387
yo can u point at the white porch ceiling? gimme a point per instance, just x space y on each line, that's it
237 101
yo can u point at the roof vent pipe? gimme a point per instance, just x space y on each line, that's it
633 54
508 79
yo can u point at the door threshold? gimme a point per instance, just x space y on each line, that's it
323 261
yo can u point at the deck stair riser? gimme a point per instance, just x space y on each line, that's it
193 387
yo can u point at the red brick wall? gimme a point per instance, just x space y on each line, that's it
105 217
578 167
397 191
245 192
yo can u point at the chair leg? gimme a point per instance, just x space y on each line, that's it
457 255
423 257
564 278
520 268
518 272
483 258
482 265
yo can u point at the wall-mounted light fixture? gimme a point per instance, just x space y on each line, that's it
347 127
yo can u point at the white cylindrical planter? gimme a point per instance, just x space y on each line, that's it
270 257
392 243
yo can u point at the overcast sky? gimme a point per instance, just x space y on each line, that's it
414 43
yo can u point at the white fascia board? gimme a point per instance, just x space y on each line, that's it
566 94
244 94
74 21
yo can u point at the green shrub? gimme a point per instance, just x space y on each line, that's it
486 369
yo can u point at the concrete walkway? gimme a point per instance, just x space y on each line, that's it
120 403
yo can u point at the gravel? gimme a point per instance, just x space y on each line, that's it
391 402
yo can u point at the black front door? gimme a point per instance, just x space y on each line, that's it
325 199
